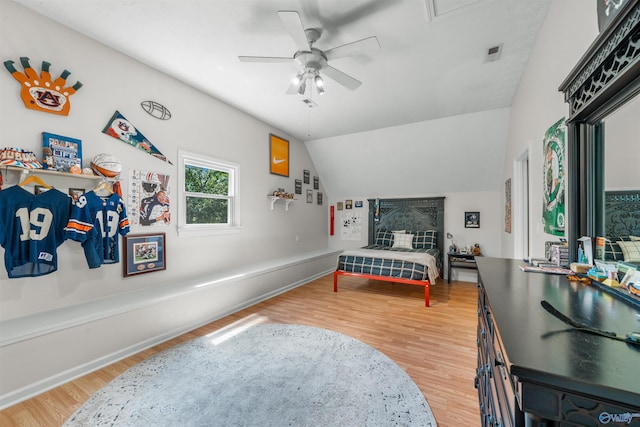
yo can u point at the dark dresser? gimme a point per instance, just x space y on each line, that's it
534 371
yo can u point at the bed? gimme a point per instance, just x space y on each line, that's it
405 244
622 226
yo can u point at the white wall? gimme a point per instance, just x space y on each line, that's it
448 163
569 28
275 240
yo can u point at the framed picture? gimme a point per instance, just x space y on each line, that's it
319 198
507 206
61 153
339 206
472 220
305 176
144 253
348 204
75 193
278 155
298 186
358 203
309 196
316 183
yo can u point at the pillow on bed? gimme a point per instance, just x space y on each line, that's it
384 238
612 251
403 241
634 238
631 250
425 239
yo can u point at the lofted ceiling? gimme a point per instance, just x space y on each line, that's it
432 62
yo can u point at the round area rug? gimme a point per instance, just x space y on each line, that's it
265 375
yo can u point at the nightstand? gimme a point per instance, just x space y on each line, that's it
457 260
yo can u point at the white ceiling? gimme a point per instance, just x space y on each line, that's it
431 62
430 104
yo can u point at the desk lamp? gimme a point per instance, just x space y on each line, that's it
453 247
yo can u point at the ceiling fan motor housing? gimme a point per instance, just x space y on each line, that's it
310 61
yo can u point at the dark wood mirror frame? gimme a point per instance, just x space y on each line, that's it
605 78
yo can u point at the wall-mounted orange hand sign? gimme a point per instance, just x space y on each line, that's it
38 92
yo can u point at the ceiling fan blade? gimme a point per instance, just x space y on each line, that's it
342 78
364 46
264 59
293 24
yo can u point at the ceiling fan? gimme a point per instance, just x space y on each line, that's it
310 60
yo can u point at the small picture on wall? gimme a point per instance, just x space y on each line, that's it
339 206
472 219
305 176
348 204
358 203
507 206
298 186
316 183
319 198
309 196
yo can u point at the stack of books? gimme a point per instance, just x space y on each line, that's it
560 255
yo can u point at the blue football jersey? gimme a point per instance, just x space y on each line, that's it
31 229
97 223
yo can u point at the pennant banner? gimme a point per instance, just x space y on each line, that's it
120 128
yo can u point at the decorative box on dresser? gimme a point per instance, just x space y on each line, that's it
534 370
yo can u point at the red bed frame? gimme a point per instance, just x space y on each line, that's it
424 283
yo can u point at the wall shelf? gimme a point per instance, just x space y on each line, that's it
51 172
287 200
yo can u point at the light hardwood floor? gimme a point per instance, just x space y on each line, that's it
436 346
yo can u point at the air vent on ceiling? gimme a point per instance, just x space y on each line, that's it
494 53
309 103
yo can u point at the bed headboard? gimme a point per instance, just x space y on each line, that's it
622 213
414 214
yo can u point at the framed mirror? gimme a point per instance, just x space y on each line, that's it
601 86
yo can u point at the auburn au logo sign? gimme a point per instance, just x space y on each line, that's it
39 92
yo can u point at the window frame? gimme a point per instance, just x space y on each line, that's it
185 159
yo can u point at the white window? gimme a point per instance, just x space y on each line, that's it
208 191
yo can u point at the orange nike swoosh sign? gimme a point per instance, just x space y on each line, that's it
278 155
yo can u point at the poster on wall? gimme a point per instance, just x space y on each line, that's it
148 200
351 225
553 204
507 206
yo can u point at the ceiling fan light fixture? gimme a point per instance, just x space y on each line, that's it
297 79
319 83
303 87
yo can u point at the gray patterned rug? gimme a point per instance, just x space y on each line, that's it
261 375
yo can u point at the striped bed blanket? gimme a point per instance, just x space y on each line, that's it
414 264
